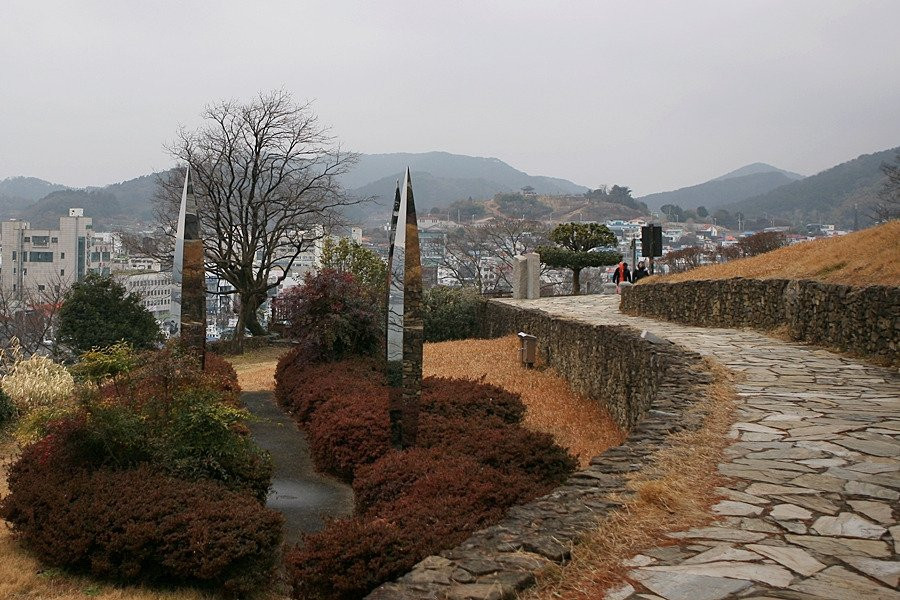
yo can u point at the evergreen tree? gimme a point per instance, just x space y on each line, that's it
98 312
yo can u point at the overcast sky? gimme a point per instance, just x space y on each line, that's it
654 95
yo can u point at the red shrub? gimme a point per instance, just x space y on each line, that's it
348 432
470 400
432 473
412 504
474 460
140 525
302 386
510 448
348 558
332 316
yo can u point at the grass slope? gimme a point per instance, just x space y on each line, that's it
867 257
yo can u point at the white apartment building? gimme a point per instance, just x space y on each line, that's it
154 288
32 259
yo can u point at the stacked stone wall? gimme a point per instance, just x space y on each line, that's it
648 385
862 320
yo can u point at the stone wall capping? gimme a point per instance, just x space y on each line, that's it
645 384
860 320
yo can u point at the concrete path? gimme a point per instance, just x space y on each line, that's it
811 510
303 496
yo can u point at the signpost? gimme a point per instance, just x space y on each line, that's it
651 242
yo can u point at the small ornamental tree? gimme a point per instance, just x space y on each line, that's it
347 256
332 316
97 313
575 249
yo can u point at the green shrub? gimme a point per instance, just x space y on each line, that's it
450 313
7 409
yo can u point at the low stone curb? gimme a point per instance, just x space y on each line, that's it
498 562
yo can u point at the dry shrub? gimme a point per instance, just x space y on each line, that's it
674 492
35 382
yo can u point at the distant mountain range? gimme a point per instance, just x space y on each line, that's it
441 178
827 197
737 185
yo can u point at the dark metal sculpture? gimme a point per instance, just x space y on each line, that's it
405 334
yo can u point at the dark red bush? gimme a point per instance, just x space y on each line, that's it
470 400
349 431
510 448
140 525
473 461
331 315
302 385
432 473
349 557
411 504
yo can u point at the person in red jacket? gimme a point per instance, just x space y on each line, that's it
621 274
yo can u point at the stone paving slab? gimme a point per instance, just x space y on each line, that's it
811 508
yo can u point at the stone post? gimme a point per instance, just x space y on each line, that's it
534 275
520 278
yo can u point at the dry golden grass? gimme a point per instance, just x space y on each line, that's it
870 256
575 422
256 369
673 494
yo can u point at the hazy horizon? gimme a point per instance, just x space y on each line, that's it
653 95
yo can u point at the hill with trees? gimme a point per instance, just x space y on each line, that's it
827 197
740 184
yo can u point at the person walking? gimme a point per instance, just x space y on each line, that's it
621 274
639 273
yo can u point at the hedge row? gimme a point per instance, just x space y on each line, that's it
473 461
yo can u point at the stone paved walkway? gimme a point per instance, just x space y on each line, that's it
812 508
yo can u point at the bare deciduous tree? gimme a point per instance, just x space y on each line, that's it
30 316
265 174
888 205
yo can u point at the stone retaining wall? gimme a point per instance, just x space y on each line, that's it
864 320
648 385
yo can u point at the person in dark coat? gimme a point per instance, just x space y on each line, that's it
639 273
621 273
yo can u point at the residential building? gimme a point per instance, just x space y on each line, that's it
37 258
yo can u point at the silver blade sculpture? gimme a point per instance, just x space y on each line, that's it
191 275
405 334
393 232
178 257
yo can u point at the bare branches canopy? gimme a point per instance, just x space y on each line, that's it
265 173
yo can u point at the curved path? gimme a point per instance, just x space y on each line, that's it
811 509
303 496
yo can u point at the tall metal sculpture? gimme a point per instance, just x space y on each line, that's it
189 275
405 334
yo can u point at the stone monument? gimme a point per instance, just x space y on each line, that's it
189 275
526 281
405 334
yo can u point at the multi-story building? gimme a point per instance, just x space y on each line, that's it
154 288
33 259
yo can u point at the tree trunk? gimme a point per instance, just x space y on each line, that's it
247 319
576 282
